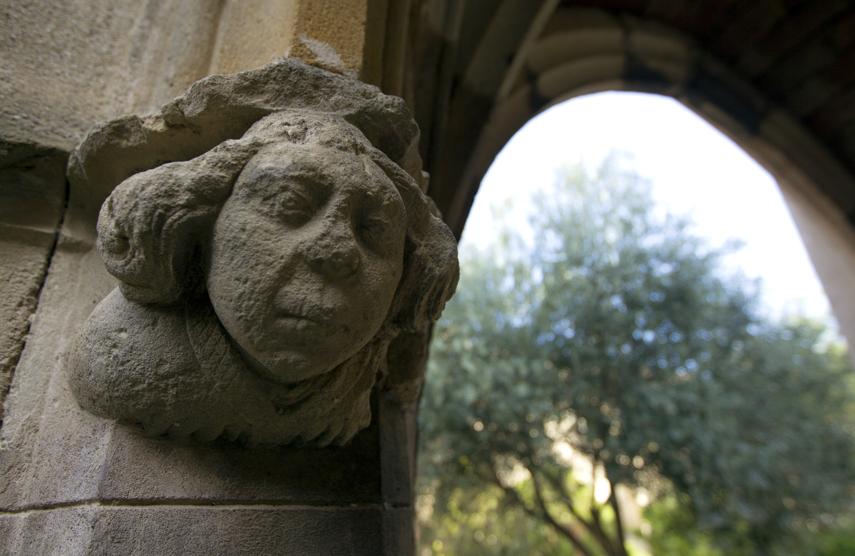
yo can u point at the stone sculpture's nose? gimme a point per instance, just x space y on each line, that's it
334 253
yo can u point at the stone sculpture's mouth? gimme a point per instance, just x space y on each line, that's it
289 315
310 321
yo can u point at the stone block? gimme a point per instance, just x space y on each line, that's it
67 65
97 529
32 198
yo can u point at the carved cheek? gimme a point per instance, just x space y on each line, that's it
276 259
243 272
379 283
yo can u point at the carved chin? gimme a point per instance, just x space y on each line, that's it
290 352
289 367
196 384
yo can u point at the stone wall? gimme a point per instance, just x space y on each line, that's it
73 483
66 66
32 199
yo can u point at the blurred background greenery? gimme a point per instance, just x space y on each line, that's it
605 387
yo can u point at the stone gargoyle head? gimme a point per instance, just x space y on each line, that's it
262 281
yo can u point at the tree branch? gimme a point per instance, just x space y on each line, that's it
541 502
593 526
595 511
613 502
541 515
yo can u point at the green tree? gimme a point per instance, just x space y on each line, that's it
616 339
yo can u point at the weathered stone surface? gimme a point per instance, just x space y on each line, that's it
398 527
50 449
226 472
246 39
67 65
326 33
223 107
63 469
44 432
32 195
190 529
263 281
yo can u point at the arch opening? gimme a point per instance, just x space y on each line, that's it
580 51
488 410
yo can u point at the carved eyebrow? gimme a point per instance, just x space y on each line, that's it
383 195
309 179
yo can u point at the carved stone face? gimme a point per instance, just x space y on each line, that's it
299 213
305 259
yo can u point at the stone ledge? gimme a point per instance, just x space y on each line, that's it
166 530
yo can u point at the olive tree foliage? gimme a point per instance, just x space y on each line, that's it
614 337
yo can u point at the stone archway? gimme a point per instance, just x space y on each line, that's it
572 51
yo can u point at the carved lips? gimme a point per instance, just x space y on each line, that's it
314 322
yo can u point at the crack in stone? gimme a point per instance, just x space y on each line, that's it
6 382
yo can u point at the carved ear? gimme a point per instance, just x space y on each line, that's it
430 277
430 266
152 226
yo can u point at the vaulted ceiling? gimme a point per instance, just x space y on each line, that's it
777 73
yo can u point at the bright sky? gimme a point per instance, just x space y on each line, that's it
694 170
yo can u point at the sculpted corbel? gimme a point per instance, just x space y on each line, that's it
265 264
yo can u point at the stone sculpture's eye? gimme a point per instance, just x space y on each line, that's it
373 231
296 207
